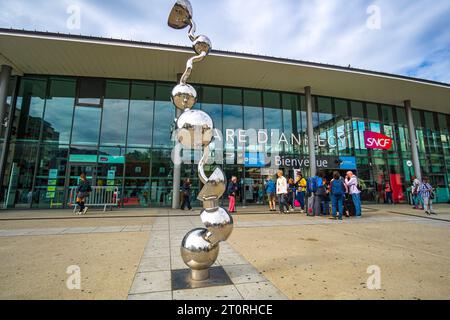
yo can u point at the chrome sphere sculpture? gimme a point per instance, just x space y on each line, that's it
200 247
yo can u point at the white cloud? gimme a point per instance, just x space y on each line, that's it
414 38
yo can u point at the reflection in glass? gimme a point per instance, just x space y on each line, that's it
164 117
30 104
115 113
86 125
141 114
59 110
49 191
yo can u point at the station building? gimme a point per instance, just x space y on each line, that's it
102 106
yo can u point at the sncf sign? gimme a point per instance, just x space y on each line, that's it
375 140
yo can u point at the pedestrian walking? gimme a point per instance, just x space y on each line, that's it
427 194
415 193
282 190
232 193
186 192
83 191
388 193
270 189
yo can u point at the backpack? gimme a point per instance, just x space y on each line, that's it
312 184
337 187
359 185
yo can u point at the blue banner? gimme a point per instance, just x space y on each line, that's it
348 163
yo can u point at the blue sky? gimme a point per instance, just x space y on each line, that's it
404 37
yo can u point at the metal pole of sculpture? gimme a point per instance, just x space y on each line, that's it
200 247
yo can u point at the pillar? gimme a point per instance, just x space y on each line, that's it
176 173
310 131
413 139
5 75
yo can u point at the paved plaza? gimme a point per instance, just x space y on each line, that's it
131 253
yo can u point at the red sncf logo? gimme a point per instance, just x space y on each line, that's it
375 140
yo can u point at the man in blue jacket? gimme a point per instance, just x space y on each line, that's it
270 189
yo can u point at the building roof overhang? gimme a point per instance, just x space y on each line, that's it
47 53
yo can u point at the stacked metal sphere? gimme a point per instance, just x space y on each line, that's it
195 130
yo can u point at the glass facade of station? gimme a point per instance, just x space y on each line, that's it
119 133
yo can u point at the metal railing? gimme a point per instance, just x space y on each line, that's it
99 197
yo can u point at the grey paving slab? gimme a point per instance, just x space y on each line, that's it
151 252
163 295
109 229
132 229
244 274
146 282
42 232
159 243
79 230
15 232
260 291
150 264
231 259
210 293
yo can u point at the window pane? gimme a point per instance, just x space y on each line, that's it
59 110
141 114
388 115
357 110
341 108
30 104
115 113
232 96
372 112
272 111
86 125
49 188
164 116
90 91
232 109
137 181
253 113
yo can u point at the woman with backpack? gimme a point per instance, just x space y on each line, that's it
338 189
83 191
427 193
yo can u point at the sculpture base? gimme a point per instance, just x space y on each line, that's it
182 279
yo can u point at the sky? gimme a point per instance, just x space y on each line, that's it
410 38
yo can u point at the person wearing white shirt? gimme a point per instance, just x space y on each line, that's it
282 190
352 184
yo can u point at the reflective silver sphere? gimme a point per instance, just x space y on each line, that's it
184 96
181 14
202 44
198 253
219 222
195 129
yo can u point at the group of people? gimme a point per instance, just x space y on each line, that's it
313 195
423 194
